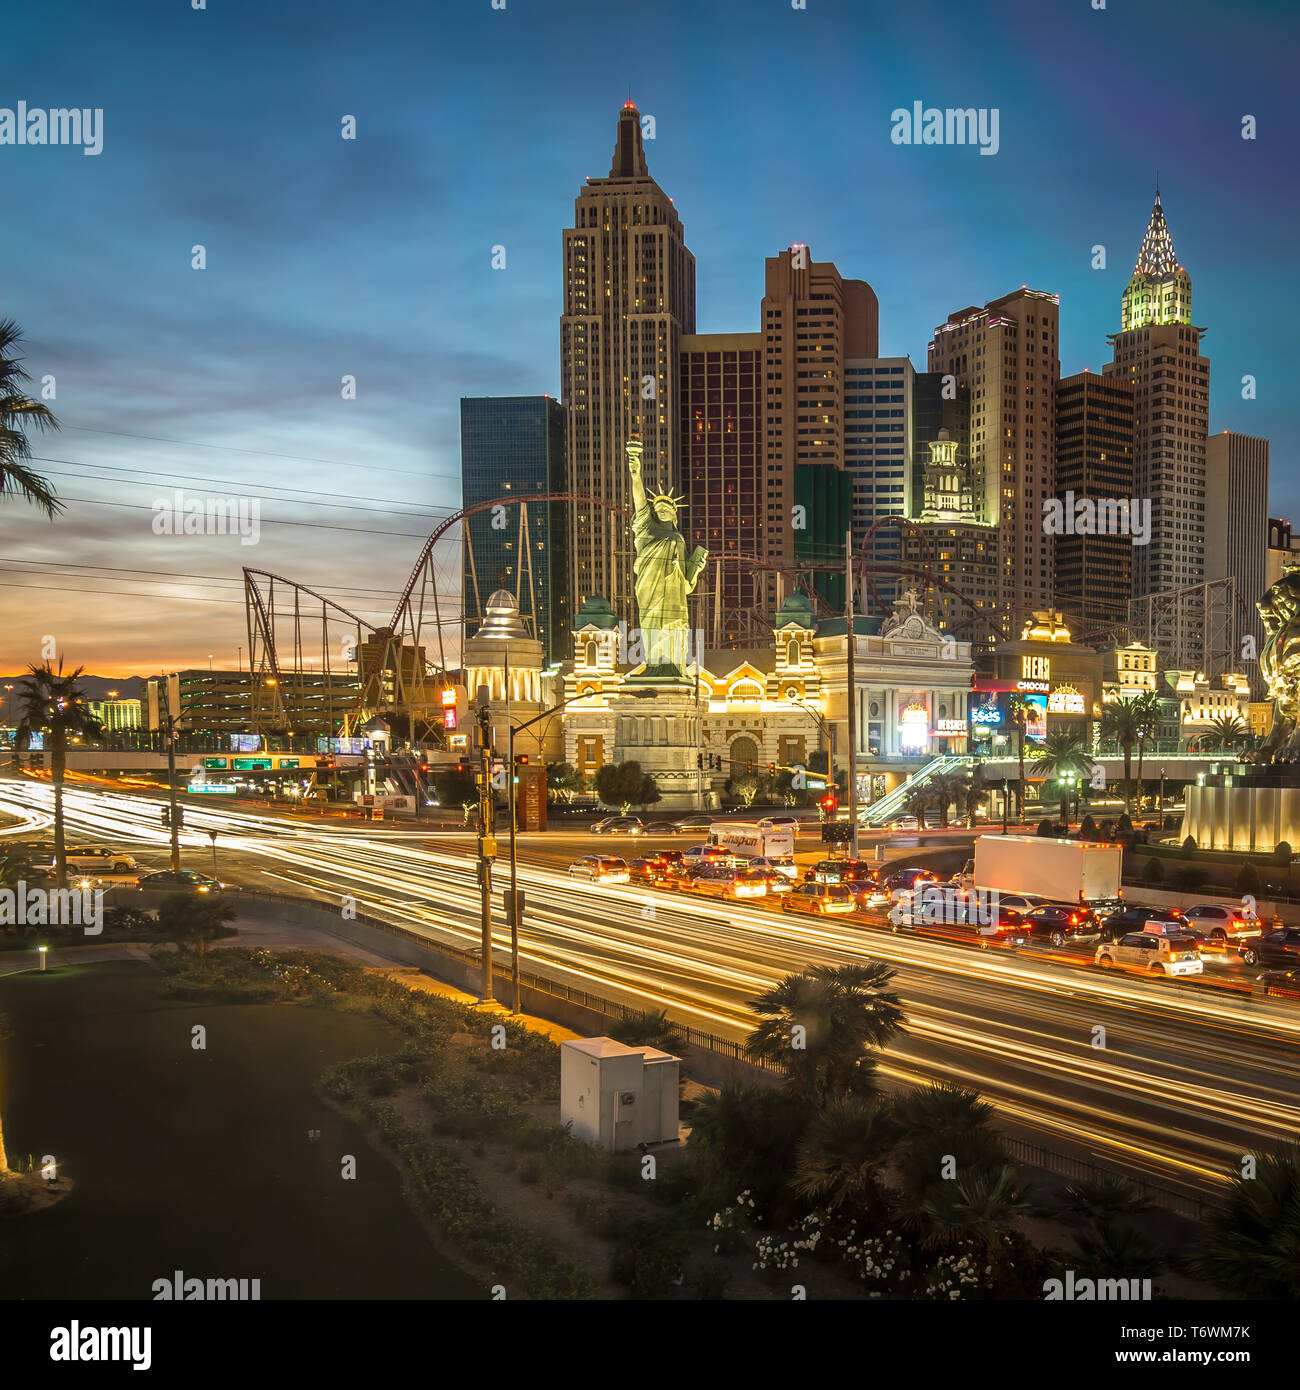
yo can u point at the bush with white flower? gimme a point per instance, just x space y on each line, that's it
958 1275
730 1226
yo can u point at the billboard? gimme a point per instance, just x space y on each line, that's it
1035 717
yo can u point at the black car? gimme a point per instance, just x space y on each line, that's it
1280 947
1061 923
181 881
1284 983
1133 918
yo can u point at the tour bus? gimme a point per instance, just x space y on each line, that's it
749 840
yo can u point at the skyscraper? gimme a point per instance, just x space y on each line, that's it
1094 462
1159 351
1007 354
814 322
1237 524
629 295
514 446
722 466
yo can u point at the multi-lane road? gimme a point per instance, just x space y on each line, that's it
1175 1082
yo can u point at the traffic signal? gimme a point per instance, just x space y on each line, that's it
717 763
424 767
460 767
749 767
699 762
166 815
830 805
771 769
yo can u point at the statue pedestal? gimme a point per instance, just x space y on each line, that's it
657 724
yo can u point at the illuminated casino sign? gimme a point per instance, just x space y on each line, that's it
950 728
913 726
1036 668
1065 699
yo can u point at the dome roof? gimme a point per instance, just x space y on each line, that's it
501 620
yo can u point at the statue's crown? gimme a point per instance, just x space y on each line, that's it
655 497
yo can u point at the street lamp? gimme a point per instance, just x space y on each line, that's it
1162 798
1005 794
43 951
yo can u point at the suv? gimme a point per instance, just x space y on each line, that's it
1060 923
1152 952
107 861
619 825
1223 921
1133 918
819 899
600 868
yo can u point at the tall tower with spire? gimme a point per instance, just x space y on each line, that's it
629 295
1158 351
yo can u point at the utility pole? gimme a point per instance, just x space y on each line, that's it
851 679
514 905
174 815
487 845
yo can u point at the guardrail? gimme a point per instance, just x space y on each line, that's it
1084 1170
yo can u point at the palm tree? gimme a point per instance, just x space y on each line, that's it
649 1028
1019 709
843 1155
975 791
53 703
1253 1246
946 788
917 801
1101 1199
1107 1251
18 412
939 1123
1228 730
818 1027
1147 710
1062 753
1122 721
982 1206
746 1137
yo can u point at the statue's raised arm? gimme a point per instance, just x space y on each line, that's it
633 448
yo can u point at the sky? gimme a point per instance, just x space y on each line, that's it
372 258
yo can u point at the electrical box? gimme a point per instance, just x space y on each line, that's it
616 1096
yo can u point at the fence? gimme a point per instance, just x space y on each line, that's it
1083 1170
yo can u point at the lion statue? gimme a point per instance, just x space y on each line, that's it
1280 665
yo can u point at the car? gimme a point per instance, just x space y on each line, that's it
1020 902
905 880
690 825
651 871
778 822
783 864
967 925
772 882
1154 953
1280 947
710 880
619 825
705 854
1223 920
1061 923
1285 983
819 899
600 868
1133 918
98 858
1214 950
859 877
903 823
182 881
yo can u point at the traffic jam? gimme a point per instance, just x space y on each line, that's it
1058 898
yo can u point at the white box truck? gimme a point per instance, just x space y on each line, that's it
749 840
1063 871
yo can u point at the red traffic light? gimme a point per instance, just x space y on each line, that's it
521 759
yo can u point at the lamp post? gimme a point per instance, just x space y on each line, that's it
44 951
515 901
1162 798
1006 792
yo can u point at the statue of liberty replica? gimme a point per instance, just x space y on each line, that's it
663 573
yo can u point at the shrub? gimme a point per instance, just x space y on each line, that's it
647 1264
1190 878
1281 853
1189 847
1154 871
1247 880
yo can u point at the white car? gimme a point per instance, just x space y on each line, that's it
98 858
784 864
600 868
1153 953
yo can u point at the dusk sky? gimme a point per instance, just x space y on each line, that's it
476 127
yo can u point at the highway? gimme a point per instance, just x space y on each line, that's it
1186 1083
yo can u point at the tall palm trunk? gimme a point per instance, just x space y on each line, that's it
1141 749
58 761
1020 791
1128 778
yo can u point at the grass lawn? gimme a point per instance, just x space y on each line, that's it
196 1160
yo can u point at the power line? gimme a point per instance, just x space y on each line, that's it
261 453
171 574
